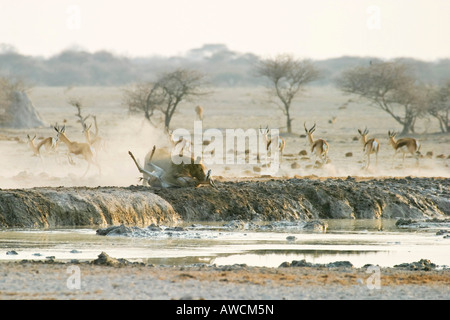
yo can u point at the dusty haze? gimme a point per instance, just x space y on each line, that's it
224 108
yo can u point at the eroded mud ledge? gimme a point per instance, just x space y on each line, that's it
264 200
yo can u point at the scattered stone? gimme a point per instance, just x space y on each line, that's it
114 231
291 238
154 227
441 156
175 229
240 225
105 260
256 169
12 253
340 264
316 226
304 263
403 222
303 153
285 264
301 263
442 232
349 154
232 267
422 264
75 251
434 223
295 165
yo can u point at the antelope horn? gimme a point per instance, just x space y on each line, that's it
209 179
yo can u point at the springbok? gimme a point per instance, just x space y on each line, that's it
94 141
280 142
166 174
321 146
78 148
404 145
49 144
181 144
199 112
369 146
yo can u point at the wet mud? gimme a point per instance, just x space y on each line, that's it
264 199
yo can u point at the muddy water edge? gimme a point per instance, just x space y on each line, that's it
304 199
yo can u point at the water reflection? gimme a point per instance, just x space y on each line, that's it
358 241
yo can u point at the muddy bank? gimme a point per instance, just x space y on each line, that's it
55 207
304 199
255 200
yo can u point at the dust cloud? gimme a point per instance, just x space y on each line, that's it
233 108
19 168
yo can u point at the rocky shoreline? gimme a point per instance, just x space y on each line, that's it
303 199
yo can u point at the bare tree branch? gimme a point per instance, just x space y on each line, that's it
287 76
388 86
169 90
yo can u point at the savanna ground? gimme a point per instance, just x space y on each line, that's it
36 281
228 108
225 108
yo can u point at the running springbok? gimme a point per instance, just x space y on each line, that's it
78 148
49 144
280 142
199 112
369 146
320 145
94 141
404 145
181 144
166 174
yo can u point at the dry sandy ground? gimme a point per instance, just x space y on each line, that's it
38 281
225 108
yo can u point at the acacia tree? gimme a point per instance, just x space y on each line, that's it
166 93
438 105
287 76
389 86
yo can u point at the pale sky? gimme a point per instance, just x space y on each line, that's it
313 29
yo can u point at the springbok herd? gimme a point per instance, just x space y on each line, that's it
160 171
